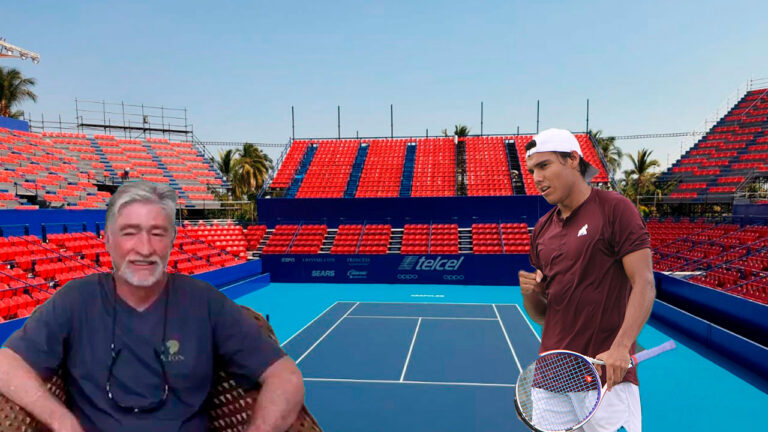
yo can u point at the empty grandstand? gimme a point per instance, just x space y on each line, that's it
74 171
412 167
732 155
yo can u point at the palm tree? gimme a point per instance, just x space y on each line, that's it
14 89
641 173
225 162
250 170
461 130
611 152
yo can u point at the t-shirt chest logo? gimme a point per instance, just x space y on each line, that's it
172 351
582 231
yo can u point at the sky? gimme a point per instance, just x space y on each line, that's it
239 66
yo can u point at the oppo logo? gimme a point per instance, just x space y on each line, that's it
453 277
407 276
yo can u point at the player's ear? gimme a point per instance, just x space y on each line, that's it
574 158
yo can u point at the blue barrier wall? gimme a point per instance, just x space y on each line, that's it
737 314
738 354
398 211
463 269
750 213
14 124
12 221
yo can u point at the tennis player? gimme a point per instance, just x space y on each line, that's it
593 287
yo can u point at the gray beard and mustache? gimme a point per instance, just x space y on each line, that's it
143 281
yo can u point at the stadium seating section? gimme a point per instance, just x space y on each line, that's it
381 239
500 238
32 270
727 257
722 256
329 168
65 169
734 151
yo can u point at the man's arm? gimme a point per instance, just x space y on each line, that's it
20 383
533 299
280 399
639 268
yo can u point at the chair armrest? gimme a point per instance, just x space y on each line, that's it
14 418
230 407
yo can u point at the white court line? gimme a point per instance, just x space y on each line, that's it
326 334
408 382
419 317
310 323
528 322
507 338
413 341
430 303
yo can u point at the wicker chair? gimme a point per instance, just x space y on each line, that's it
229 407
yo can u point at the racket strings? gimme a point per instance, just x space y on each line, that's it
559 391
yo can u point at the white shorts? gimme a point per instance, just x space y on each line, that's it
620 408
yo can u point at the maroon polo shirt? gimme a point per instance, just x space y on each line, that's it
585 284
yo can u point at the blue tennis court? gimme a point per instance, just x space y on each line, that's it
446 358
421 360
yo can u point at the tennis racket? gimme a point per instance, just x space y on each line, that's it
561 390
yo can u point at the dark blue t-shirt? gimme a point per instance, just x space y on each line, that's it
204 327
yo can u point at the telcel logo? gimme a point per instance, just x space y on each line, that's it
422 263
323 273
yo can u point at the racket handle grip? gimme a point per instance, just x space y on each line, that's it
653 352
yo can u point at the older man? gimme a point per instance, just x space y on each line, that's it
138 346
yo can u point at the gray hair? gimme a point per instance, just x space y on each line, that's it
142 191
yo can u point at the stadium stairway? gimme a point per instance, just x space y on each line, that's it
257 253
357 170
514 165
465 240
461 168
396 241
408 166
330 237
303 167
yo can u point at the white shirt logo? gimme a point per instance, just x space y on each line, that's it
582 231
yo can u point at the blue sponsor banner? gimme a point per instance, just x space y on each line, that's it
461 269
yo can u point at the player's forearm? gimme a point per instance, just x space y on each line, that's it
638 310
536 307
280 399
20 383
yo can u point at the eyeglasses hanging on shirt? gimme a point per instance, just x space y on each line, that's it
154 404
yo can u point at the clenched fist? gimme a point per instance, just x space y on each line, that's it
530 283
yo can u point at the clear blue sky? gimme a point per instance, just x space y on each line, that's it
646 66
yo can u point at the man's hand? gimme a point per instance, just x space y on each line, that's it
67 424
616 365
532 289
530 283
280 399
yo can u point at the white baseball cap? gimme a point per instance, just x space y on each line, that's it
560 140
